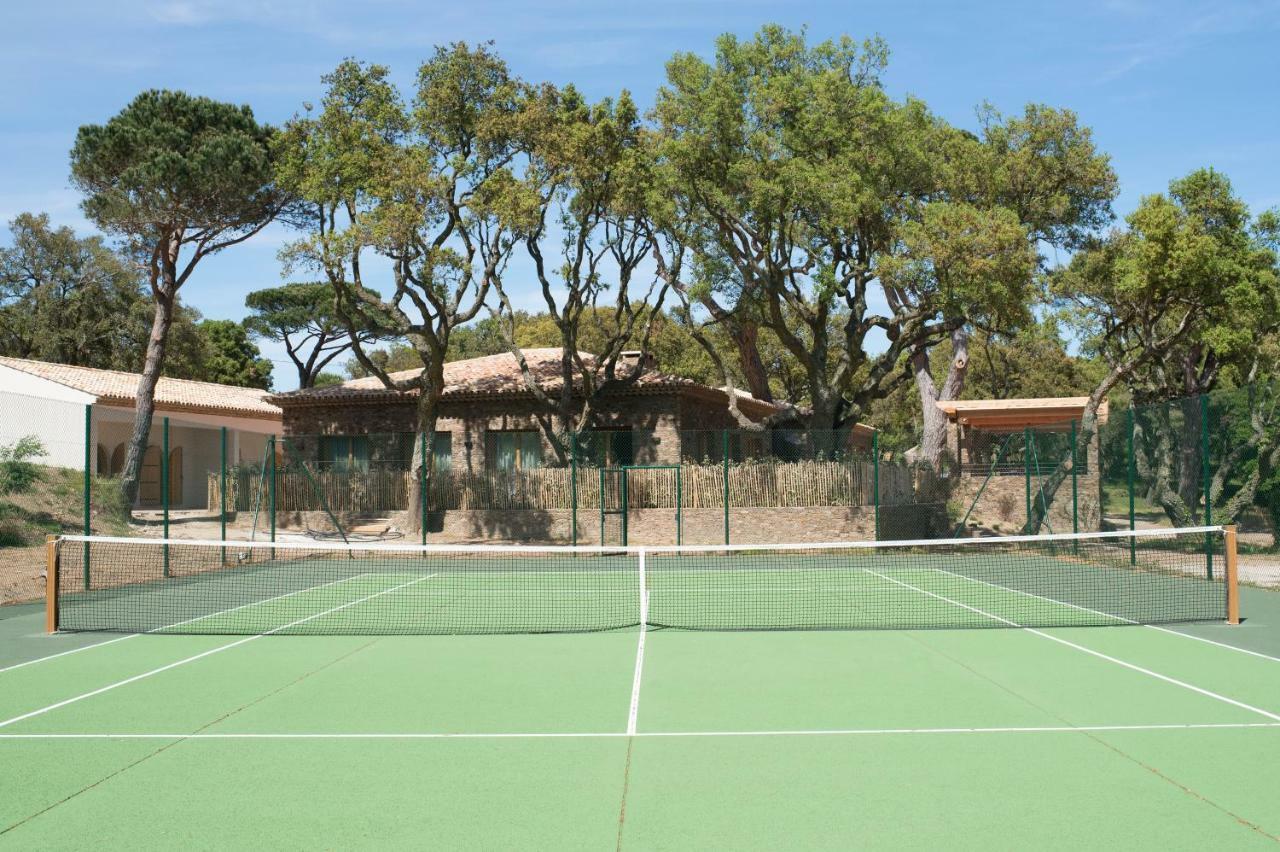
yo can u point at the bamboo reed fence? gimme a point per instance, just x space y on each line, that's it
751 484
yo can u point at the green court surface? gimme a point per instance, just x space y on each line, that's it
1067 737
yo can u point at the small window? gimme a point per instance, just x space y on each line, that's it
442 451
608 447
513 450
342 453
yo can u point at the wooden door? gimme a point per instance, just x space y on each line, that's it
175 476
149 478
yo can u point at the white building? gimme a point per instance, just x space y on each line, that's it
57 403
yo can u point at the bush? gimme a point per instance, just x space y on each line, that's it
17 472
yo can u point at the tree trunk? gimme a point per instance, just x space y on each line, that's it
933 437
423 464
746 335
144 400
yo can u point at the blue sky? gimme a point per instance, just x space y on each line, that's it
1166 86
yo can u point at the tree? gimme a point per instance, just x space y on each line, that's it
578 210
177 178
71 300
1228 340
231 358
417 186
301 317
795 191
1044 169
67 299
1188 271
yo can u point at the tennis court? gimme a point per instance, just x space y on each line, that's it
310 696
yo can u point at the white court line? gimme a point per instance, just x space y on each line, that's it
538 735
634 710
203 654
1120 618
1090 651
180 623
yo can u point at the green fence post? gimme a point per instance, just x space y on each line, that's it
875 481
573 487
1133 469
88 490
679 506
164 488
271 488
1026 468
1075 484
1205 471
222 483
422 487
725 464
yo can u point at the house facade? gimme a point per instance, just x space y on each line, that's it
60 405
489 420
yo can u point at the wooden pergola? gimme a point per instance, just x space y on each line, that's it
972 422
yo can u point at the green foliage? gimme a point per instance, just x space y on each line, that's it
1183 295
71 300
300 316
17 471
170 162
326 379
231 358
794 187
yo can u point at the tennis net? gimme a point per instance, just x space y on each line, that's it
179 586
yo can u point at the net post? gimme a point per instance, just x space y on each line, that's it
422 485
88 490
1133 464
222 489
573 488
875 483
51 583
1204 469
164 488
724 450
1231 576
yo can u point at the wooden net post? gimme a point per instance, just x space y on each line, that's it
1232 577
51 584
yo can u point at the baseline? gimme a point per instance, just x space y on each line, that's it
534 735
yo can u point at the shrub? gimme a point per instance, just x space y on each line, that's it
17 472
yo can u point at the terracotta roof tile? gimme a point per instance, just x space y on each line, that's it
116 386
488 374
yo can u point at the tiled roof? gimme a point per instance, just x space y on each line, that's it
488 375
1040 403
176 394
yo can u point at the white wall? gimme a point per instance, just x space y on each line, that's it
201 450
58 423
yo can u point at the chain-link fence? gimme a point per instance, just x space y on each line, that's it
621 486
1175 463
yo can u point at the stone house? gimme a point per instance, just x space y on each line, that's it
489 420
504 480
